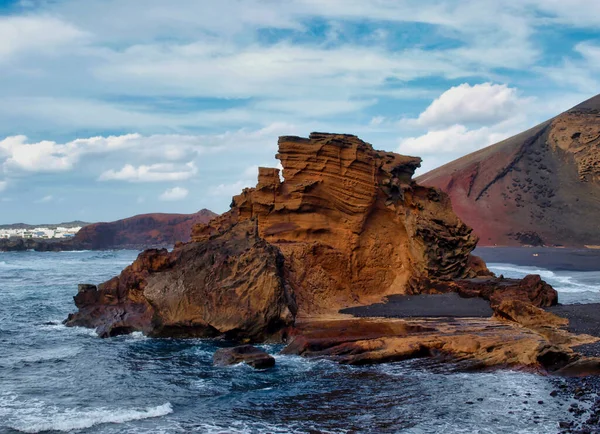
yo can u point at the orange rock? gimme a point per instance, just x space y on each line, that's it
348 225
350 222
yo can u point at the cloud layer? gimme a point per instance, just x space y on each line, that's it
114 103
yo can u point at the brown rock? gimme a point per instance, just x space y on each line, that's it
528 315
537 188
531 289
247 354
471 343
350 223
347 226
231 285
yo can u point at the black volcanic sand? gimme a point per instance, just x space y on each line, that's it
551 258
425 305
583 318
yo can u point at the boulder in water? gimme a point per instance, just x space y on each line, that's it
247 354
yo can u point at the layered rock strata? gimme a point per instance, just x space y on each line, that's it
351 223
469 343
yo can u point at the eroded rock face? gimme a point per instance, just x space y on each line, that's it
230 285
350 223
470 343
347 226
531 289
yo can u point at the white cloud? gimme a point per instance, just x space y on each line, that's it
49 156
45 199
580 72
485 103
454 120
456 138
160 172
225 70
174 194
44 156
39 34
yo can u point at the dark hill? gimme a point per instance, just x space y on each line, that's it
540 187
142 230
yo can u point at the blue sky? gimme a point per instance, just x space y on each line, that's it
110 108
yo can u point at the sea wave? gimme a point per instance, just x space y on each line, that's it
36 356
561 281
33 416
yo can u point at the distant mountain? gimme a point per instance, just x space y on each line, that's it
138 232
141 231
73 224
540 187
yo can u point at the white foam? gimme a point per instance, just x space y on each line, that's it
563 281
246 427
34 416
60 327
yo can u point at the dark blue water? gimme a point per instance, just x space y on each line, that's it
54 378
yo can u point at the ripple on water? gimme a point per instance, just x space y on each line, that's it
33 415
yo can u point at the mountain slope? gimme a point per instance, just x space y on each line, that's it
141 230
539 187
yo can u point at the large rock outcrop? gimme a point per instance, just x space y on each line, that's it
350 222
231 285
537 188
347 226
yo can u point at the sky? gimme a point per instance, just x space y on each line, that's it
110 108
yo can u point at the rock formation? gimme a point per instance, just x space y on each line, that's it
470 343
350 222
247 354
347 226
537 188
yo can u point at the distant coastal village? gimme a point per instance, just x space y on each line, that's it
40 232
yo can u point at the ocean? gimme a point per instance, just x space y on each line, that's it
59 379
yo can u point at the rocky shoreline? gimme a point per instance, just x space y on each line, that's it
46 245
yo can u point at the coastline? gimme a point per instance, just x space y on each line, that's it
551 258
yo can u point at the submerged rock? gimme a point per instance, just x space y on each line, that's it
247 354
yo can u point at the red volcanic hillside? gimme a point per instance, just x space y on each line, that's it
540 187
142 230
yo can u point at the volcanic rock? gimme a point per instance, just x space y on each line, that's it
247 354
350 223
346 226
537 188
230 285
473 343
531 289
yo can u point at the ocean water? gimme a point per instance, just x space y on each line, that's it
58 379
572 286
